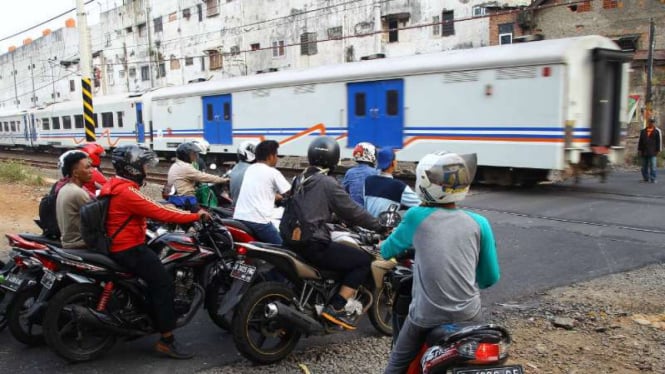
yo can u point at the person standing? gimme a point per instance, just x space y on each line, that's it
262 185
354 180
72 196
381 191
648 148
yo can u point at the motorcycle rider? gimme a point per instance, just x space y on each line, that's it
203 146
323 196
263 185
94 151
364 154
128 205
246 157
71 196
381 191
184 176
455 253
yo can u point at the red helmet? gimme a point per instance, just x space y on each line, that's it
94 151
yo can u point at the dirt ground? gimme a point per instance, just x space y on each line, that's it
20 206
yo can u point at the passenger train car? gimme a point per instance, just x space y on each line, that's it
525 109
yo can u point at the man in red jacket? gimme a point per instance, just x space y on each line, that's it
129 205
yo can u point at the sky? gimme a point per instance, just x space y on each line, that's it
22 14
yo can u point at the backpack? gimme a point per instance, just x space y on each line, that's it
93 225
48 220
294 228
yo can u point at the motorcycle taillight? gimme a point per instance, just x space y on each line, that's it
18 260
487 353
47 263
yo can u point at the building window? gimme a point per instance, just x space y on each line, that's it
55 121
255 46
448 24
121 73
584 6
189 61
129 30
66 122
186 13
120 118
610 4
157 22
107 39
203 63
109 75
72 85
199 9
393 32
278 48
107 119
141 28
78 121
505 33
161 70
308 44
173 16
145 73
215 59
212 9
478 11
132 72
235 50
335 32
436 25
175 63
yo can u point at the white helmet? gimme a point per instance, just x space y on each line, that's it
444 177
247 151
365 152
202 145
61 159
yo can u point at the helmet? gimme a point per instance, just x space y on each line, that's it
65 156
202 145
365 152
323 152
247 151
94 151
185 150
445 177
129 161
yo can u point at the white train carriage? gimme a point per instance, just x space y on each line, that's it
13 130
118 120
524 109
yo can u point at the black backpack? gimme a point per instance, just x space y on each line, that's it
48 220
93 225
294 227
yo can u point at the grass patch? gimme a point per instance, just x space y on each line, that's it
17 172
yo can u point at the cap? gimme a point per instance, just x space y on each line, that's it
384 158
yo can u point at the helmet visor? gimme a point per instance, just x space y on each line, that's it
471 161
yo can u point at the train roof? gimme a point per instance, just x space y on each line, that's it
534 53
78 104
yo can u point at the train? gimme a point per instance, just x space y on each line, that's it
525 109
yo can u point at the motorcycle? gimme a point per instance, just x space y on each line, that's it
105 301
460 348
271 317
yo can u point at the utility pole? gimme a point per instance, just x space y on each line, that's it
14 74
52 63
85 64
31 67
648 113
147 25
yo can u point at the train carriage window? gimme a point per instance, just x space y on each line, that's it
227 111
392 102
55 122
107 119
46 124
120 117
360 104
7 126
18 126
13 125
210 113
66 122
78 121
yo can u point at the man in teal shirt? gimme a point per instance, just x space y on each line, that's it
455 253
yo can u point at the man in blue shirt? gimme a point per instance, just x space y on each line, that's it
381 191
354 180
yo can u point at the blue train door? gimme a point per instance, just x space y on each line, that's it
217 116
376 113
140 126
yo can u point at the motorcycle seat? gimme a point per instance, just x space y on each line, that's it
446 331
94 258
281 249
223 212
40 239
239 225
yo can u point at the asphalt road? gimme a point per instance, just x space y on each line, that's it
548 236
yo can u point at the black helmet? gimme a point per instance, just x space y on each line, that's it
185 150
129 161
323 152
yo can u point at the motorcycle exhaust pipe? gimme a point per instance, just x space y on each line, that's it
100 320
287 314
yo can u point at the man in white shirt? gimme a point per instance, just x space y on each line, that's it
261 186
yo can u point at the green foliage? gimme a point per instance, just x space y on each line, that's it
17 172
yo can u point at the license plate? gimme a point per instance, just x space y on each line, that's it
243 272
12 282
48 279
512 369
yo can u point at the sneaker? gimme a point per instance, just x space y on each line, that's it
172 350
338 317
654 181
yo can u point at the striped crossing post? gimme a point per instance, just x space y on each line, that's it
88 110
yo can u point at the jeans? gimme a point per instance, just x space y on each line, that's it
264 232
649 168
145 263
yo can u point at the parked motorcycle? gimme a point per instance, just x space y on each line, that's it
105 301
270 317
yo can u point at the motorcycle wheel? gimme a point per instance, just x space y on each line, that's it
3 313
261 340
66 336
27 332
381 311
214 297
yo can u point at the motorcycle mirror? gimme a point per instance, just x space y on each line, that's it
390 218
212 166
